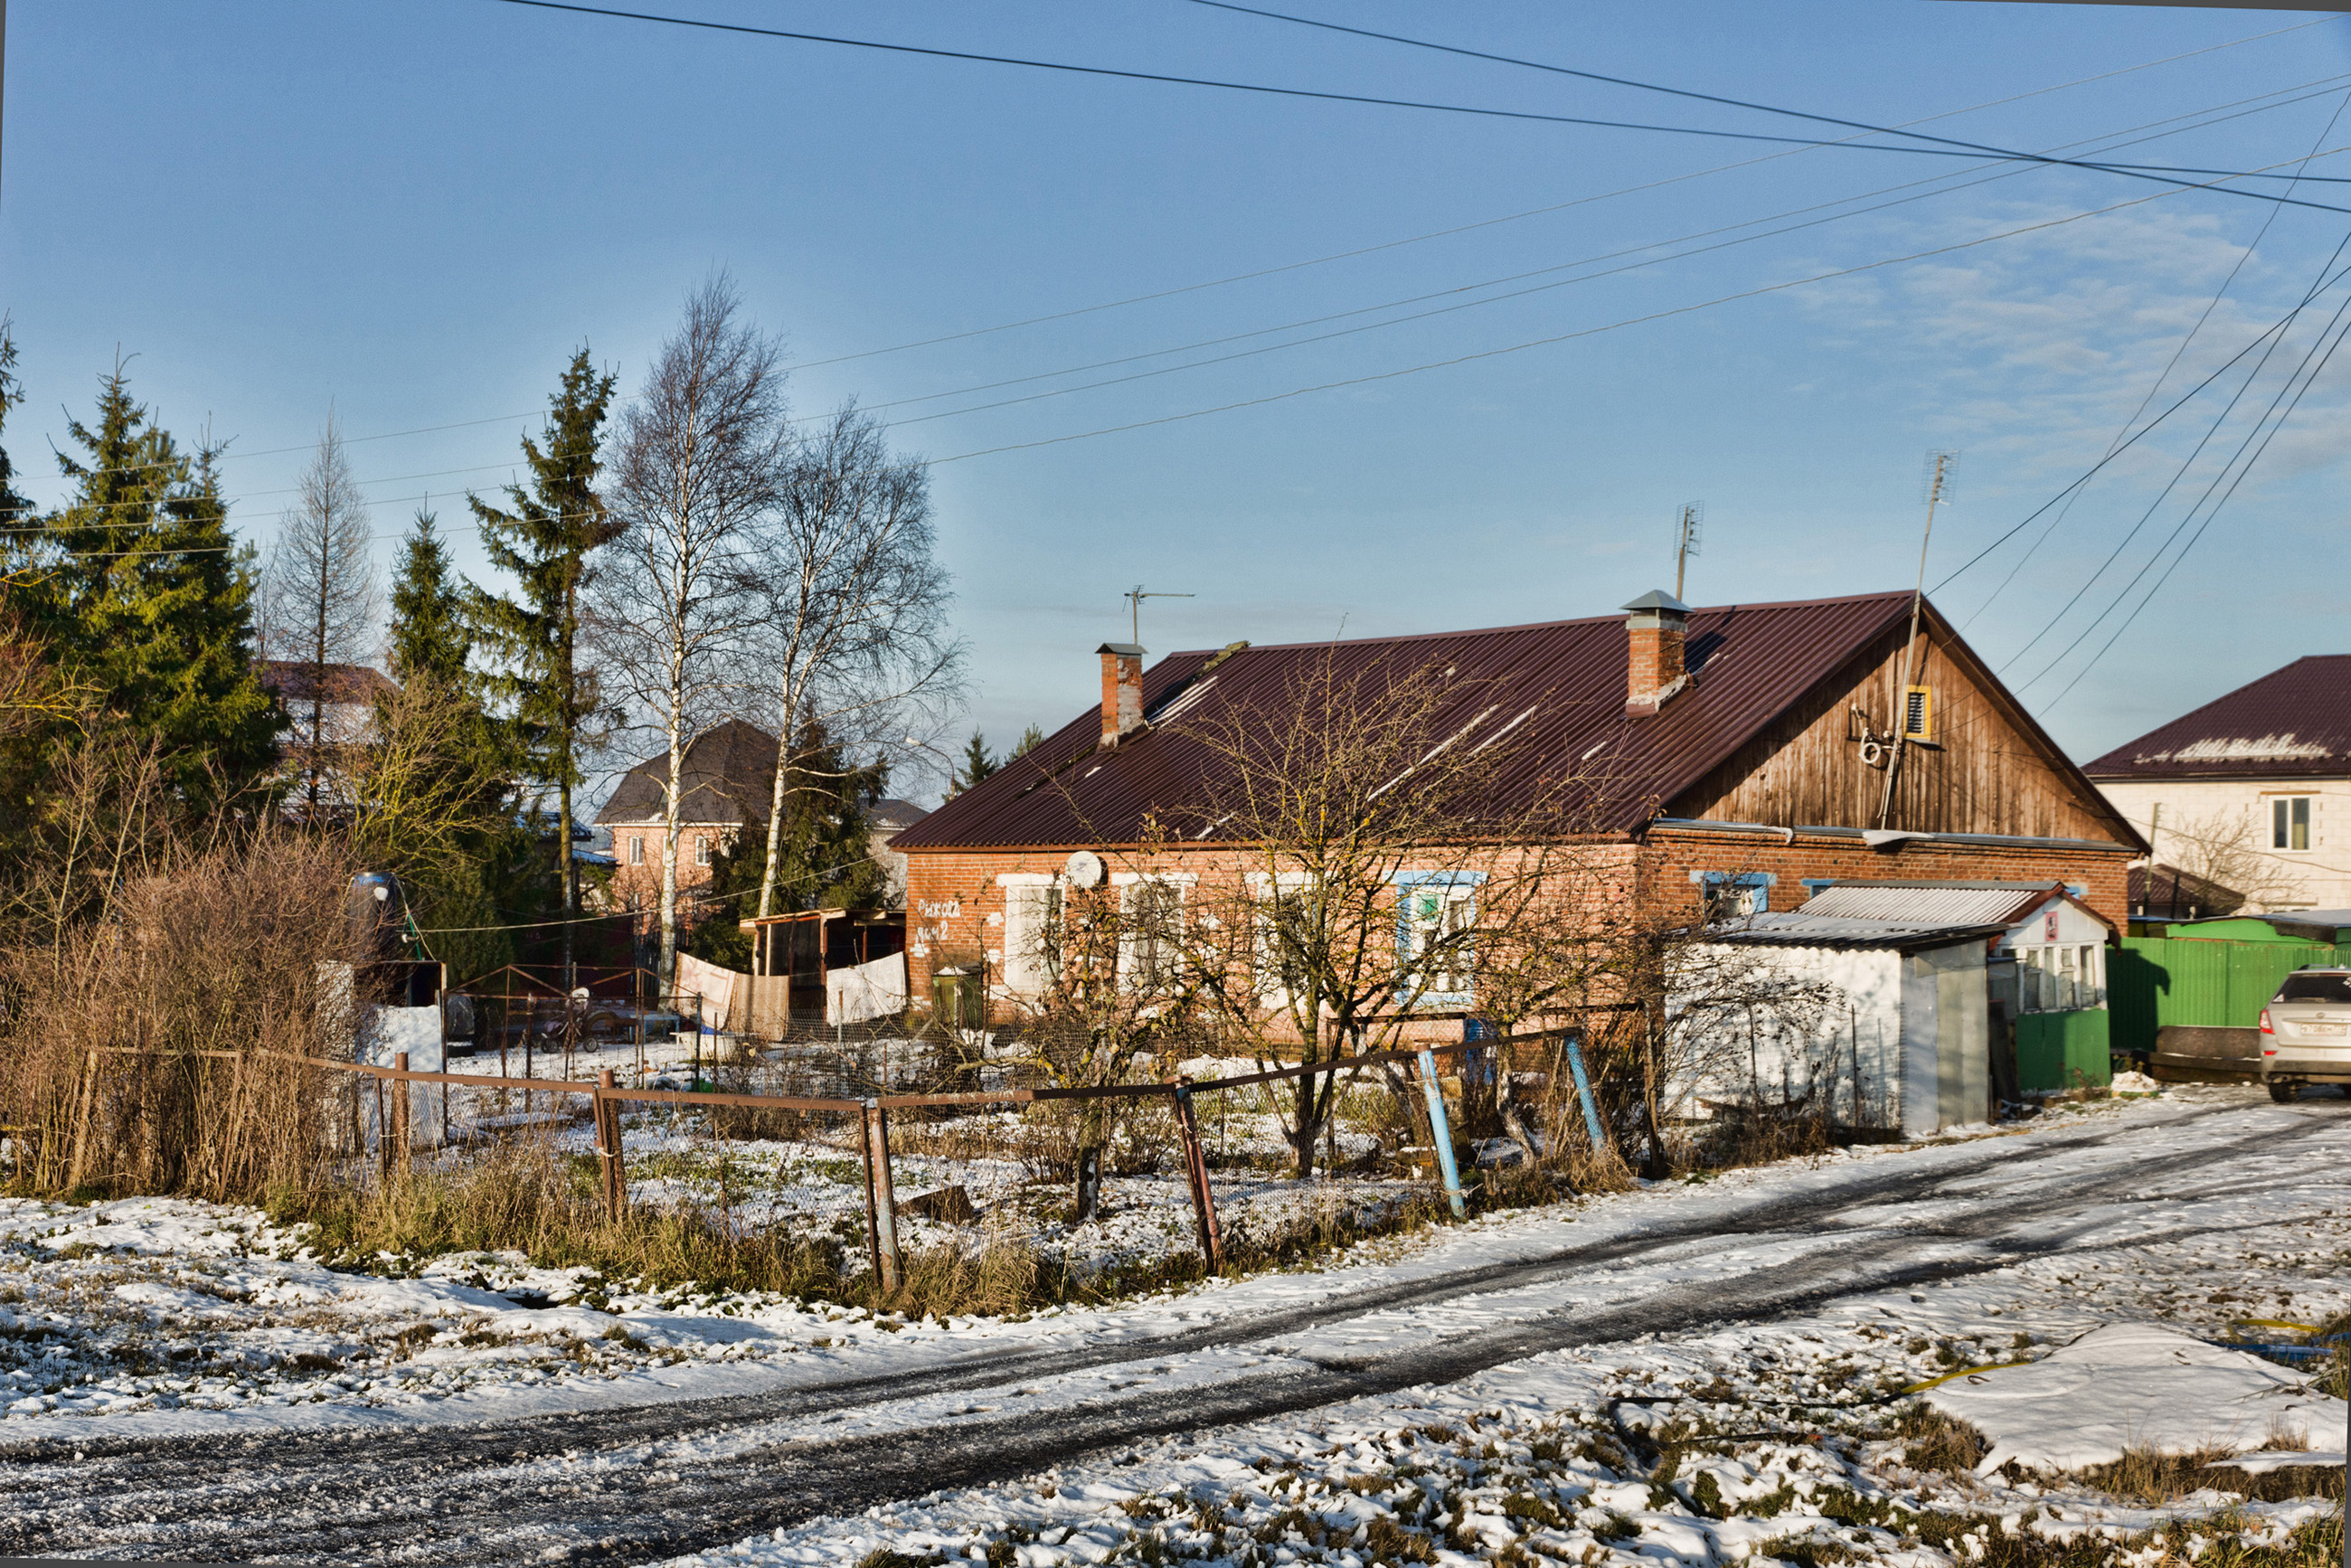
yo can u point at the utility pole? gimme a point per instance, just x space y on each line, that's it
1134 597
1937 481
1687 542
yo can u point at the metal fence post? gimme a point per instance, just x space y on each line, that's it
1440 1132
1583 1092
881 1199
1195 1168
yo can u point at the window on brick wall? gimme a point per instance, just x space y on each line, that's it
701 851
1734 896
637 849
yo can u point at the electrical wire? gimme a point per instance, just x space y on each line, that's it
1539 212
1953 150
1551 340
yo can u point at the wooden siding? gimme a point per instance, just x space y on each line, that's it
1987 775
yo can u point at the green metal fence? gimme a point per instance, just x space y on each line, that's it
2154 981
2063 1050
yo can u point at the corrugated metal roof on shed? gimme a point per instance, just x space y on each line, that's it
1560 682
1801 928
1930 902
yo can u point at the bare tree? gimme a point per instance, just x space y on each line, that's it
854 607
698 468
2223 849
320 599
1375 854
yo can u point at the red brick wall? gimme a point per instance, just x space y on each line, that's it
950 893
639 886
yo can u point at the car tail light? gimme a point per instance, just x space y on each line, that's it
2267 1027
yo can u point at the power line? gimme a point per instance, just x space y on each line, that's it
1951 148
1562 336
1541 212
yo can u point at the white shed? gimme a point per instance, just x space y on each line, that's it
1895 1032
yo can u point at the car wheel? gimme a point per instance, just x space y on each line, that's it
2285 1094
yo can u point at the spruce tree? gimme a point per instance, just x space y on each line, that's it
429 634
978 762
15 510
151 598
543 539
1030 740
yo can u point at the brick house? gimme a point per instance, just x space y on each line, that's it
1736 755
729 780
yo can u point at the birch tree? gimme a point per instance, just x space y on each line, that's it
320 596
696 470
855 605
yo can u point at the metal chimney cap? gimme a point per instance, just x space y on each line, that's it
1657 599
1128 650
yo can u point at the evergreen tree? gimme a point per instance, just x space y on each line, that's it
15 510
543 539
1030 740
824 854
429 633
978 762
150 597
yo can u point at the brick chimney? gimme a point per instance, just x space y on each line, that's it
1657 626
1122 691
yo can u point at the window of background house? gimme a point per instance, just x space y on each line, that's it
1918 713
2289 821
1153 908
637 850
702 851
1282 932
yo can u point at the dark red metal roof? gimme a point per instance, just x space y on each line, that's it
1561 681
2290 724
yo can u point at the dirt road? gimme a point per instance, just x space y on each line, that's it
638 1484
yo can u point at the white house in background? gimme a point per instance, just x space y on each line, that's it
1902 1044
2265 771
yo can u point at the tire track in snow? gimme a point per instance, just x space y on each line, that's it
593 1487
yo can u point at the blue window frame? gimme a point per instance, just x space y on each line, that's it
1432 905
1729 894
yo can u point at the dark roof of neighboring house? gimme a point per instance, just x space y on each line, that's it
2290 724
888 815
2165 890
727 778
1558 686
290 679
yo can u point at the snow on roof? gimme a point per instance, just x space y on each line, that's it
2290 722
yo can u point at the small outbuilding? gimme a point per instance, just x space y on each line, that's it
1892 1030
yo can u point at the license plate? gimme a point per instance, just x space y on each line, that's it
2320 1031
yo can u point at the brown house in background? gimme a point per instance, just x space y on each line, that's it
728 782
1731 758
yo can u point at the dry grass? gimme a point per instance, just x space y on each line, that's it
1934 1441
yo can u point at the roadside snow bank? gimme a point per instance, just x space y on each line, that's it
2135 1385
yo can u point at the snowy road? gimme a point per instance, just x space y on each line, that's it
642 1482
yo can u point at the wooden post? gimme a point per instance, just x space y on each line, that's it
382 1133
608 1144
82 1121
881 1199
1195 1167
400 1093
1440 1132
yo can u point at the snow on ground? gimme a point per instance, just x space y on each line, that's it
164 1317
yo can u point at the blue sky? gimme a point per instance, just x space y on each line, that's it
410 213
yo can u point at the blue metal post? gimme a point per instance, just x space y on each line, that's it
1440 1132
1583 1092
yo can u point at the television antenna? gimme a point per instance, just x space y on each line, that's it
1688 532
1134 597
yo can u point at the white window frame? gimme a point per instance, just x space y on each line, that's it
2060 977
1031 900
1129 885
1264 968
2282 823
636 849
1456 902
702 849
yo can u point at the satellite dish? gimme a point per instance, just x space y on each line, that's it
1085 869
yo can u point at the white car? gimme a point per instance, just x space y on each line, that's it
2306 1032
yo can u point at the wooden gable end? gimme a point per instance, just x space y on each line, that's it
1989 770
